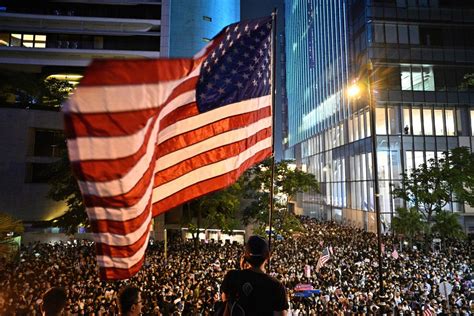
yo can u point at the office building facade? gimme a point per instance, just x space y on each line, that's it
421 52
58 39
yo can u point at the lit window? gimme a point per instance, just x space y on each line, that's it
380 121
350 128
419 159
472 122
367 122
40 41
28 40
406 121
439 124
450 124
428 122
408 161
356 127
416 121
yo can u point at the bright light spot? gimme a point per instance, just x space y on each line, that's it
353 90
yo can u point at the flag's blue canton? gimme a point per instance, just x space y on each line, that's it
238 68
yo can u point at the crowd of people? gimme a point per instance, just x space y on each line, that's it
188 281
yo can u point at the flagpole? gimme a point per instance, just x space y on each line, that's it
273 88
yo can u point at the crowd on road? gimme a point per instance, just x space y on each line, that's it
187 282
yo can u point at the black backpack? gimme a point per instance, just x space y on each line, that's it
233 305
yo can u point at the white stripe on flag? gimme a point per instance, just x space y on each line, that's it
120 98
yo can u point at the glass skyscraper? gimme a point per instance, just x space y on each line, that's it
421 51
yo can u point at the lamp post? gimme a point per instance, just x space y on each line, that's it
354 91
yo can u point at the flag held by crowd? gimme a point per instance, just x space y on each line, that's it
325 256
147 135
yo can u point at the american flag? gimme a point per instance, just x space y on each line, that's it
325 256
427 310
147 135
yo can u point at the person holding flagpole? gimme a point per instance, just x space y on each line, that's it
251 291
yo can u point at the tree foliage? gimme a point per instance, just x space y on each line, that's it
218 209
407 222
32 89
447 226
8 224
431 186
288 182
64 187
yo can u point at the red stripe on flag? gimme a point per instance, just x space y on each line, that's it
106 170
106 124
208 185
139 71
103 249
122 252
209 157
181 113
120 274
123 200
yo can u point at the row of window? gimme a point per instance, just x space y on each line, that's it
358 192
417 121
422 78
427 3
136 11
74 41
436 36
394 120
23 40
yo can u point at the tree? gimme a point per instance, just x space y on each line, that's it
64 187
447 226
214 210
32 89
407 222
431 186
288 181
459 168
424 189
9 227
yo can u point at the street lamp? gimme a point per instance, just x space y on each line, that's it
354 91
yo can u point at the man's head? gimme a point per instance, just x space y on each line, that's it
54 301
256 251
130 301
